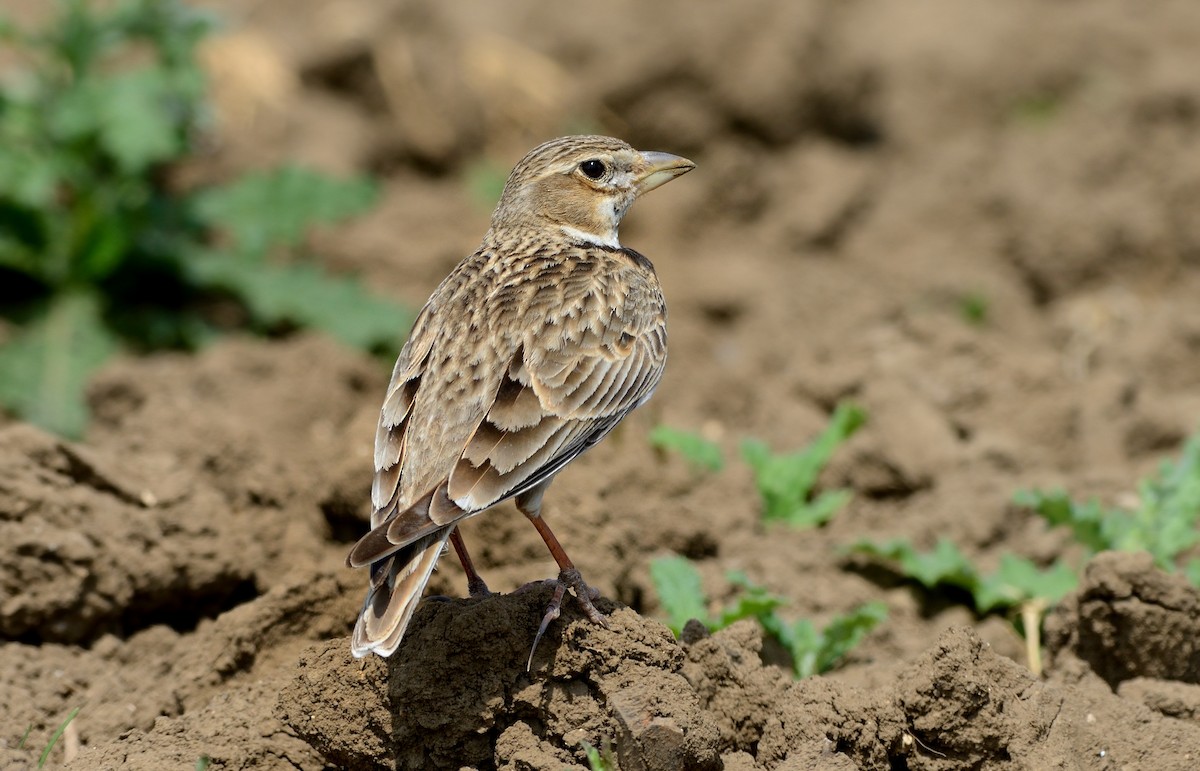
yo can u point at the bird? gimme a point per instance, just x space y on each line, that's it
525 356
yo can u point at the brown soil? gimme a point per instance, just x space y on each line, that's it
862 168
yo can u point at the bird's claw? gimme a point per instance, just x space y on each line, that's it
584 595
477 588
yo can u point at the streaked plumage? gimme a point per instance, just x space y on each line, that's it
526 355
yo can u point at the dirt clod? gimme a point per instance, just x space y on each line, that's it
1130 620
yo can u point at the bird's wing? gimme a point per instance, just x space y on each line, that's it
573 379
575 374
392 430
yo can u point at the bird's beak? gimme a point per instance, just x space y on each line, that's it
660 169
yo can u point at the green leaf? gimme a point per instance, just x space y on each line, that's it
79 35
844 632
56 736
277 208
21 238
306 296
678 586
753 601
813 651
75 113
803 642
677 583
696 450
1058 509
1018 580
785 482
28 176
137 124
821 510
599 759
1014 582
974 308
45 366
1164 523
945 564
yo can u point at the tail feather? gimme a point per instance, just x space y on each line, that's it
397 583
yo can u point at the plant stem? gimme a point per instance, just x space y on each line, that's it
1032 612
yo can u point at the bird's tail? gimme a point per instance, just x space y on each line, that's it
396 586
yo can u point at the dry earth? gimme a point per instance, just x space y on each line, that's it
863 167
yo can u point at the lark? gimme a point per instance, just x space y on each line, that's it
532 350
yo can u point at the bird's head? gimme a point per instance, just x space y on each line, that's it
582 185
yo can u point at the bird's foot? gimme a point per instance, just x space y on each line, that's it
477 588
584 595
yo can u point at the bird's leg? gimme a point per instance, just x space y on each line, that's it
530 504
475 585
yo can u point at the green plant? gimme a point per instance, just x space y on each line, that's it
682 596
600 759
786 482
1037 109
1016 581
1164 523
101 250
702 453
813 651
203 762
1016 585
974 308
53 737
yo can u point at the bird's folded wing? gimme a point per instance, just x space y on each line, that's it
392 429
554 402
562 392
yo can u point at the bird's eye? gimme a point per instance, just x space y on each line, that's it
593 168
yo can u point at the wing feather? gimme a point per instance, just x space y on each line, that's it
570 395
587 358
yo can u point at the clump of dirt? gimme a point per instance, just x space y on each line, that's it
461 694
331 691
98 545
1129 621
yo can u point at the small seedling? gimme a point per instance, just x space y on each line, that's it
102 250
1015 581
815 651
974 308
600 759
53 737
786 482
1164 523
679 589
1037 108
701 453
682 596
1017 584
